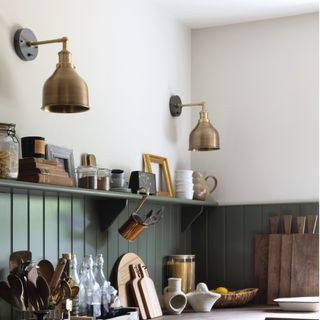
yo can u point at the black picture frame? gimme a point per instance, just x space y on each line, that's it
63 155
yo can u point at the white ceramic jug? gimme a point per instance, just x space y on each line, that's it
174 299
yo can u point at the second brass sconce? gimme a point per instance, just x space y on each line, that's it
65 91
204 137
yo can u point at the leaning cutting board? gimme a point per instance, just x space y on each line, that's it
135 275
122 277
305 262
149 294
285 259
274 251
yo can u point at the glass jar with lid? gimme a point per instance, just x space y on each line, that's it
182 266
9 151
87 177
104 179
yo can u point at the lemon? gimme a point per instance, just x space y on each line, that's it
221 290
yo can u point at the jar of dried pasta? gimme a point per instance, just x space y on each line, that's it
9 151
182 266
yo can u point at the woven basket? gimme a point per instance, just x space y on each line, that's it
236 299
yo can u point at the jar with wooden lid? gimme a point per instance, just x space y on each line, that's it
182 266
9 151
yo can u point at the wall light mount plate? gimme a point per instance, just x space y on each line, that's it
175 106
21 39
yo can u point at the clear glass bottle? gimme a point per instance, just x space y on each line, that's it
74 276
100 278
9 151
92 289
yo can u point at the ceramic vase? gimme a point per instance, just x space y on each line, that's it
174 299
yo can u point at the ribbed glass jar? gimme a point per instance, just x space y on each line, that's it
9 151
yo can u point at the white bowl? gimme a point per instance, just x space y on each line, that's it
184 195
299 303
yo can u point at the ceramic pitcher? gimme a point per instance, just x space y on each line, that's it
201 189
174 299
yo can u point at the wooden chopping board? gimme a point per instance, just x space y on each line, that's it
122 277
135 275
286 260
261 267
305 265
149 294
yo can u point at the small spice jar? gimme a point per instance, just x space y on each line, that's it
182 266
87 177
104 179
9 151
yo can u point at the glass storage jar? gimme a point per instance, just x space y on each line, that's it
9 151
182 266
104 179
87 177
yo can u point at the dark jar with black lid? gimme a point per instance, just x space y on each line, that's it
33 147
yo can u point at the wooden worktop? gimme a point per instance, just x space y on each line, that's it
244 313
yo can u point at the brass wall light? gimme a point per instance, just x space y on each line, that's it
204 137
65 91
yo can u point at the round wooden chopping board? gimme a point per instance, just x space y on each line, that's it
123 277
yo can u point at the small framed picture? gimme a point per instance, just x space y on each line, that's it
63 155
159 166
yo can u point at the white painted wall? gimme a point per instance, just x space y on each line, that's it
132 55
260 81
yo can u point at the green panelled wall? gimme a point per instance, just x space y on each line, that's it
223 240
49 224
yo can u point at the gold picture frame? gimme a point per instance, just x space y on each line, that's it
148 159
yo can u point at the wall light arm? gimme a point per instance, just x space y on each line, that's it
63 40
176 105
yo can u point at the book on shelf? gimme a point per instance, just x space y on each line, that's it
48 171
40 161
48 179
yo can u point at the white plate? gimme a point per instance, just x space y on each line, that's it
299 303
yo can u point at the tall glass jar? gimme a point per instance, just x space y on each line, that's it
9 151
182 266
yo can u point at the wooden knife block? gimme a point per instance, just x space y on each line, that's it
286 266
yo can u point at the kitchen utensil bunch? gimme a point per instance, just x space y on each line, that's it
287 264
37 287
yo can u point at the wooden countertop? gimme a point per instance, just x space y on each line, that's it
244 313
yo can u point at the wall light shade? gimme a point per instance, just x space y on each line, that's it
204 137
65 91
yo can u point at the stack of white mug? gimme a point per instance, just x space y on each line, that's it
184 184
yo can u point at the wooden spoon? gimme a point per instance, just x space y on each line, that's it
7 295
43 291
17 258
17 289
57 274
34 300
46 269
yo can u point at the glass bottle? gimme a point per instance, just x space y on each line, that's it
9 151
75 278
91 289
100 278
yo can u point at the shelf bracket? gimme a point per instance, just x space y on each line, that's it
108 210
189 214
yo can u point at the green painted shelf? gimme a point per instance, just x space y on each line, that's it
108 203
